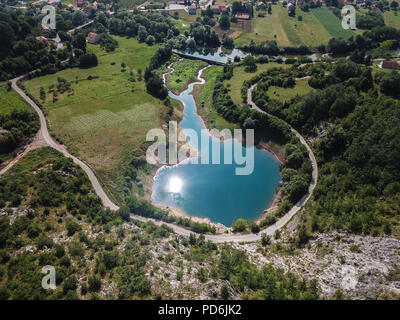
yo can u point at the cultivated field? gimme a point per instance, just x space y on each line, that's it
331 23
106 117
287 31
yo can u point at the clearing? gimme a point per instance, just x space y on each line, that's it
103 120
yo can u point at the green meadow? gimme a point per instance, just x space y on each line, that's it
289 31
284 94
331 23
102 119
10 100
240 75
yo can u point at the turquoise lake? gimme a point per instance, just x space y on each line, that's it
214 191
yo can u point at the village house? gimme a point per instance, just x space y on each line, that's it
79 3
87 9
192 9
242 16
222 6
215 8
42 39
387 64
37 4
376 10
261 6
165 13
93 37
261 14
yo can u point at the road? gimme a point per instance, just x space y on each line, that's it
220 238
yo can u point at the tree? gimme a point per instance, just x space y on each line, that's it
394 5
224 22
239 225
88 60
78 18
79 42
250 63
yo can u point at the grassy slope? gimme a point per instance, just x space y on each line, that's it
103 118
239 76
185 73
10 100
283 94
391 19
331 23
266 28
204 93
288 31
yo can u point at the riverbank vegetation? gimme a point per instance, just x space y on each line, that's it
185 72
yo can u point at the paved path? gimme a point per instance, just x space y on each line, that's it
178 229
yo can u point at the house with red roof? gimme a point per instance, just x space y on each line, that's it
242 16
215 8
261 6
42 39
79 3
387 64
93 37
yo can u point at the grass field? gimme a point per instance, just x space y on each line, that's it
331 23
10 100
103 119
203 96
392 19
283 94
185 73
239 76
287 31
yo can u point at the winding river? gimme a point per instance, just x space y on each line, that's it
214 191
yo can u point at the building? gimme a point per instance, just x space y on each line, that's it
79 3
93 37
222 6
43 40
261 6
37 4
261 14
386 64
165 13
87 9
242 16
215 8
192 9
376 10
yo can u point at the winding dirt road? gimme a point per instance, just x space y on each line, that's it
45 136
